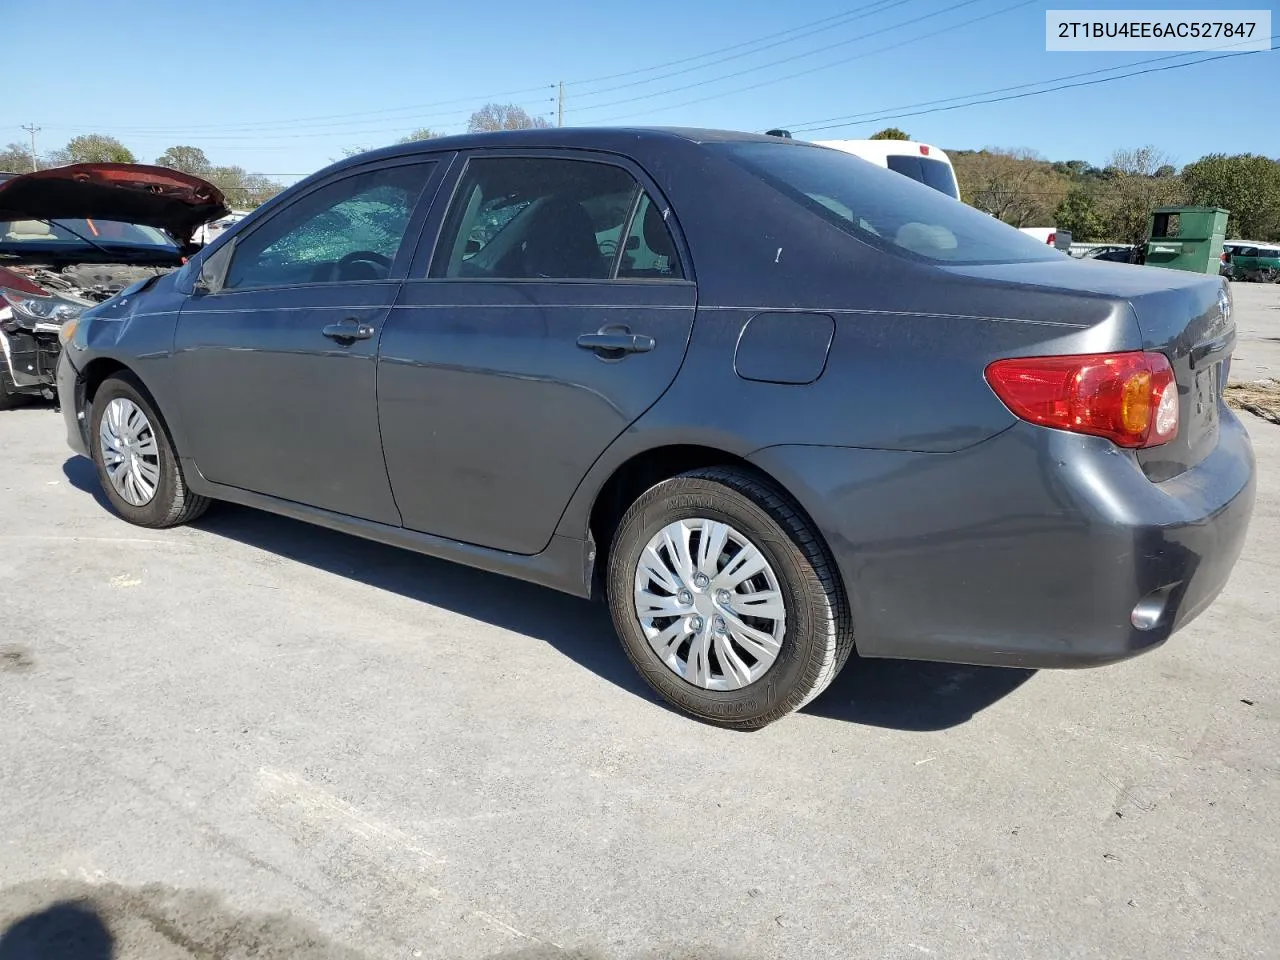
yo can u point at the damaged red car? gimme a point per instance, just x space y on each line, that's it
74 236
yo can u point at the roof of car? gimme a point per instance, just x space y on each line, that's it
601 138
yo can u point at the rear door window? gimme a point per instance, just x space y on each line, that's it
538 218
650 252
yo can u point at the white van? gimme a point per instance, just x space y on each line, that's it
922 162
919 161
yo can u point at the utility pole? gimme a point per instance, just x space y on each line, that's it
32 129
560 106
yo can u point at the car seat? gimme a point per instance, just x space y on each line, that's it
561 243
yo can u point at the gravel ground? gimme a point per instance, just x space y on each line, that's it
250 737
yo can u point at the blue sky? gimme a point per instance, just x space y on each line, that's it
281 88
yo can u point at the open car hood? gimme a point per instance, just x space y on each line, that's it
127 192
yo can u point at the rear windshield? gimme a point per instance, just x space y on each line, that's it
80 233
885 209
932 173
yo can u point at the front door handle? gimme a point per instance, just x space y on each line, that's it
348 331
613 342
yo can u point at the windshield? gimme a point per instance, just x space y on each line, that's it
105 233
883 208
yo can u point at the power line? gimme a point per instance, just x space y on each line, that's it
800 126
798 56
412 108
805 128
711 53
413 112
823 66
866 10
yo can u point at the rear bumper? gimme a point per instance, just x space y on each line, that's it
1032 549
71 401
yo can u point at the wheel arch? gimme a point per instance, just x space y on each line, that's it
645 468
96 372
100 369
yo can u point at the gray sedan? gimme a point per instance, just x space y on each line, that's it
773 402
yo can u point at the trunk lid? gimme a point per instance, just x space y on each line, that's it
1185 316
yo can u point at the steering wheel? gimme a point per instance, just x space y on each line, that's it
358 256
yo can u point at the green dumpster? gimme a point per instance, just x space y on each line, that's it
1186 238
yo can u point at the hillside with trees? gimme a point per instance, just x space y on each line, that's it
1112 203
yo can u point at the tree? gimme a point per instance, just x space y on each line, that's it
16 158
1132 189
92 148
186 159
1076 169
890 133
1247 185
1017 186
243 190
422 133
503 116
1078 215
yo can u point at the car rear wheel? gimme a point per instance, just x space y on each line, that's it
725 598
137 466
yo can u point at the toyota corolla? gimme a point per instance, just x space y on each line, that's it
774 403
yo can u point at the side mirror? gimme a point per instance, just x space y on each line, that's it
213 270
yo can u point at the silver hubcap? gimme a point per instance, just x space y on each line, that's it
709 604
129 451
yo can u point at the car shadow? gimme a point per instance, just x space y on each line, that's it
83 475
896 694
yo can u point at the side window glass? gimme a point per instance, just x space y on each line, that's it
651 252
525 218
348 230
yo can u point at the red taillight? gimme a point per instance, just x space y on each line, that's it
1129 398
1053 240
924 150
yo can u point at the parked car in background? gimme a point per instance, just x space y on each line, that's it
74 236
1052 236
208 232
1089 251
772 401
1116 253
1255 262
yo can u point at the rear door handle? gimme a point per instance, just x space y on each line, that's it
348 331
616 341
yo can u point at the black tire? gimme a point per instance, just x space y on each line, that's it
173 503
819 634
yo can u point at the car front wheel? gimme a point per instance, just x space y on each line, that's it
725 598
137 466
